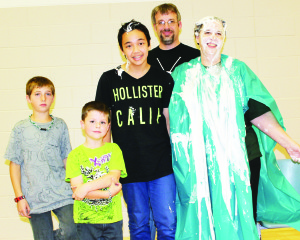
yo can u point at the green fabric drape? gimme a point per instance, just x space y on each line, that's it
209 158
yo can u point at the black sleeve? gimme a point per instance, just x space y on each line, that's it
255 110
103 90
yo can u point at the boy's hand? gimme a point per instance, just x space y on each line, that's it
115 187
80 192
23 208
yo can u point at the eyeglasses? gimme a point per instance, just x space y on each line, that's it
170 23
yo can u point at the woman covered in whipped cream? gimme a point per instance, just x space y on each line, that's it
211 96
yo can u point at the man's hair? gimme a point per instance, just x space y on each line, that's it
95 105
164 9
39 81
130 26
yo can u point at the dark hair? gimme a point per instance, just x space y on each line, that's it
164 9
39 81
95 105
132 25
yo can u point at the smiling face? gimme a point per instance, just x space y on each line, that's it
41 99
135 47
167 28
211 40
95 125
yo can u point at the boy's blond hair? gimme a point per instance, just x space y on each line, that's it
39 81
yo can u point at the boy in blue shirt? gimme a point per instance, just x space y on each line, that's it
37 150
94 169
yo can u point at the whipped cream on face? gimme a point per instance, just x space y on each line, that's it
210 34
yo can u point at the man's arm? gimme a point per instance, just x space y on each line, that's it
81 190
166 114
268 124
15 177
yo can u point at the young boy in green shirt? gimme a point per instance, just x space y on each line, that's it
94 169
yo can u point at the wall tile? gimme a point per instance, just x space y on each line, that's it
240 27
275 26
245 47
275 7
90 54
74 44
278 67
29 36
49 56
13 16
277 46
288 107
14 57
18 100
86 94
6 187
217 8
243 8
16 78
4 40
290 124
22 225
47 15
69 34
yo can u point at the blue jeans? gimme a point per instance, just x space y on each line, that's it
107 231
157 195
42 225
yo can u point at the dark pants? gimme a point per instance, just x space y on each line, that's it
42 225
254 181
112 231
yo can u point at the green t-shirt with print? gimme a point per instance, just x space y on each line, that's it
93 164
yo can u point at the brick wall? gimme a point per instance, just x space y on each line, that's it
73 44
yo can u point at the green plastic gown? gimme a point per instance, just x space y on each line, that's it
207 131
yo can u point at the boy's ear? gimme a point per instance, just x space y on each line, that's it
82 124
28 98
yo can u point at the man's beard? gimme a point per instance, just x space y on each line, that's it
167 40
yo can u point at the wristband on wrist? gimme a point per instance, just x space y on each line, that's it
17 199
109 198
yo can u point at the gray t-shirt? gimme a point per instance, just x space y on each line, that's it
40 154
